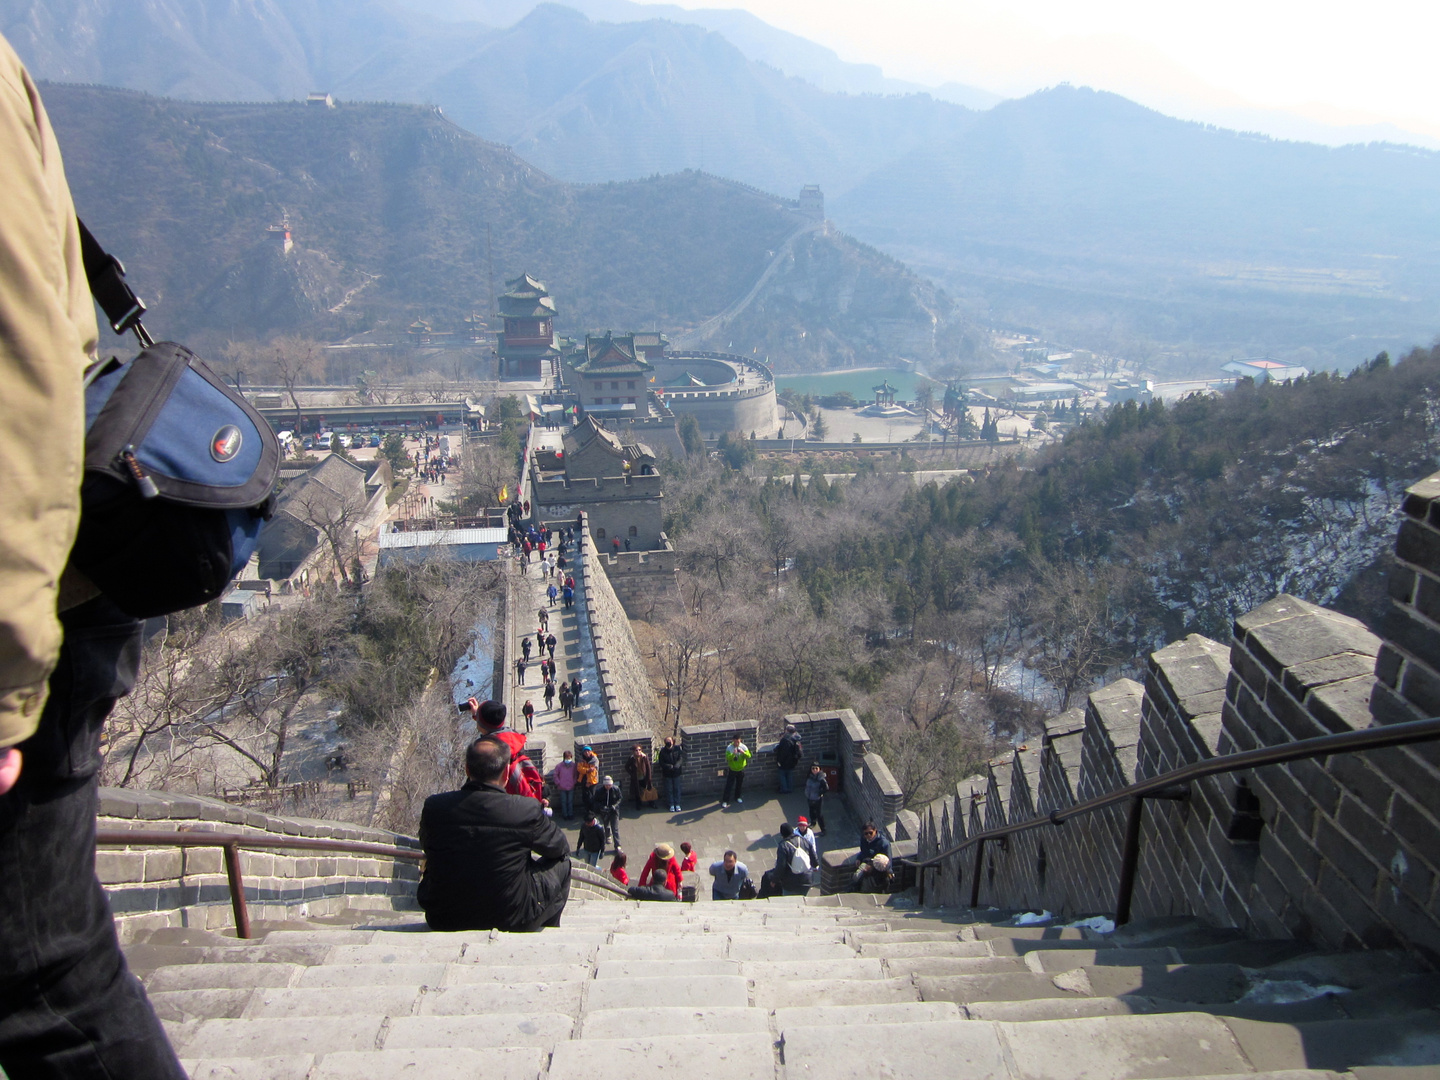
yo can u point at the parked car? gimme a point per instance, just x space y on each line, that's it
325 440
375 440
308 442
345 441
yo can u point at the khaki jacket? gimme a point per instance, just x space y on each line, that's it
47 335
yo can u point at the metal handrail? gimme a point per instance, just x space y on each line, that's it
233 842
1174 785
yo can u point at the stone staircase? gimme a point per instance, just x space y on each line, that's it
835 986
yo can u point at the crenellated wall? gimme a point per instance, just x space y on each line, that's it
626 693
1344 851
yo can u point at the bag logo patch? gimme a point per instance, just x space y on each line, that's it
226 443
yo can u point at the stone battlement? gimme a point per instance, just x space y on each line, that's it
1343 851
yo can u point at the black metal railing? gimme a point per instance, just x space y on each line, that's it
231 843
1175 785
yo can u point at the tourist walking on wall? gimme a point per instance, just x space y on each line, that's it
575 691
550 643
587 777
569 595
525 648
528 711
787 756
816 785
542 614
642 776
671 760
565 700
728 876
737 757
792 862
519 672
806 836
592 840
549 696
564 777
552 594
607 800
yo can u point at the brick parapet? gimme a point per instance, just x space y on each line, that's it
623 684
150 887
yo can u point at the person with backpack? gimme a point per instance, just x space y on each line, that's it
592 840
524 778
793 868
787 756
816 785
806 836
737 757
587 778
671 760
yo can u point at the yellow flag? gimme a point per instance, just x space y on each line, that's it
504 493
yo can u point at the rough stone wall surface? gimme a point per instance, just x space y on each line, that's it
1343 851
624 685
151 887
646 582
705 756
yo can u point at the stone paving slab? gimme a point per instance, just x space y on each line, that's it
185 1005
544 1029
955 1048
673 1020
694 1057
1208 984
954 965
800 949
682 968
895 1012
1066 1008
561 997
656 948
787 993
968 949
281 1036
220 976
1124 1047
377 975
287 1067
509 1063
331 1001
963 989
472 974
666 990
812 969
420 952
1069 959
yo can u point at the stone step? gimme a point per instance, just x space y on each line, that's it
1119 1047
1048 934
892 1012
509 1063
640 1022
1254 954
887 950
543 1029
1062 1008
789 993
1057 960
282 1067
280 1036
895 937
772 970
938 1048
188 1006
1202 983
1003 986
220 976
954 965
1412 1040
663 990
749 949
488 997
681 967
731 1056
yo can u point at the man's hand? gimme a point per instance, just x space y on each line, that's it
9 769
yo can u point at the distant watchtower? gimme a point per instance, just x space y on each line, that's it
812 202
281 233
527 344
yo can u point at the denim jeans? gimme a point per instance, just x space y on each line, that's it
734 785
672 790
786 779
69 1006
591 857
567 803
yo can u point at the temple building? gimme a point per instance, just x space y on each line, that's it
527 345
613 373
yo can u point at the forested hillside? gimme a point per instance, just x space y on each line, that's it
399 215
960 614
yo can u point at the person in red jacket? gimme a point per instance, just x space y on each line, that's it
688 863
617 868
662 858
524 778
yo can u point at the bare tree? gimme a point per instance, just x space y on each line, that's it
293 360
334 513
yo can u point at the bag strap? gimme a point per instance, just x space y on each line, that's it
106 275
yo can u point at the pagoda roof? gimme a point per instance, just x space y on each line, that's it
525 285
525 307
612 354
650 340
589 431
685 379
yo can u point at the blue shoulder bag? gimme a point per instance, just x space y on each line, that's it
180 470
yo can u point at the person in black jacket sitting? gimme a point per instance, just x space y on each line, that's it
478 842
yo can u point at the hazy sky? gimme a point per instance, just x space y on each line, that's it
1358 62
